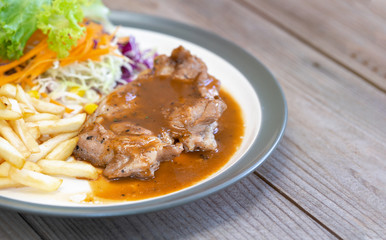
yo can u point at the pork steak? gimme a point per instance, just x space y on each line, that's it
174 107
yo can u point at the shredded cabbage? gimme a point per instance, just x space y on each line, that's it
80 83
86 82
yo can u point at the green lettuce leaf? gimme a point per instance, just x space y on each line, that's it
59 19
99 13
17 24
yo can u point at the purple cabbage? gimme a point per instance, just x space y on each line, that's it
139 60
95 44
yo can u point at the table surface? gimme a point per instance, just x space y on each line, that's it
327 177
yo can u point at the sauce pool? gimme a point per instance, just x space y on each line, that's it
183 171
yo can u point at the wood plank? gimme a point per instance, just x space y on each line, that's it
346 31
247 210
378 7
13 226
331 162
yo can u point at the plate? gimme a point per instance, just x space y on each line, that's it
250 83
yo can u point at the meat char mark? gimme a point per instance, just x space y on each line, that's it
170 109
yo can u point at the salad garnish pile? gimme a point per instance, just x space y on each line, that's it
58 58
66 50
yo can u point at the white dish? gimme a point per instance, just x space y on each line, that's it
68 199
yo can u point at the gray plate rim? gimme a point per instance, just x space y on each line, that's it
274 119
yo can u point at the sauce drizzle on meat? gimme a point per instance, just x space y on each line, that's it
172 108
170 114
183 171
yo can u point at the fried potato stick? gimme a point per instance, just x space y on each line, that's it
63 125
35 179
63 150
11 154
49 145
72 169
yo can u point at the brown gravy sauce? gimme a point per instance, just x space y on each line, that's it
183 171
147 100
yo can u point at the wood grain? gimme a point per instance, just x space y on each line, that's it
13 226
346 31
331 161
378 7
326 179
249 209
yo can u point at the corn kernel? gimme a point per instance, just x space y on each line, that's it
90 108
34 94
78 91
81 93
74 89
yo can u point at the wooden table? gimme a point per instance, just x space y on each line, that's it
327 178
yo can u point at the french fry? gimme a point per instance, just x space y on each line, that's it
22 97
71 159
6 114
26 111
34 131
2 105
4 169
21 129
11 154
71 169
7 132
5 103
46 107
23 132
31 125
8 90
63 125
35 179
6 182
13 104
49 145
63 150
41 117
31 166
24 123
44 138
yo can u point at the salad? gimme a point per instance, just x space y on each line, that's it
66 50
58 58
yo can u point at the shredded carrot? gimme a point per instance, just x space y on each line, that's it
40 58
67 110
